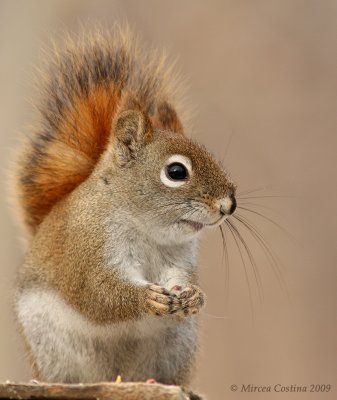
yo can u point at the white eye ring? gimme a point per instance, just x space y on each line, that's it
176 158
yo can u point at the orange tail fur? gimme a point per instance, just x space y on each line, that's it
86 84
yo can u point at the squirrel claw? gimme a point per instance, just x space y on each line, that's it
192 299
158 289
160 301
179 301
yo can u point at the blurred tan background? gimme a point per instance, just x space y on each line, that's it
263 77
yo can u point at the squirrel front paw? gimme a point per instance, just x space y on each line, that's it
180 301
191 299
160 301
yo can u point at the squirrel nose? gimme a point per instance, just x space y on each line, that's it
228 205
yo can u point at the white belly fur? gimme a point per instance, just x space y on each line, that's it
69 348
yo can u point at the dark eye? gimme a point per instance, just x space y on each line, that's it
177 172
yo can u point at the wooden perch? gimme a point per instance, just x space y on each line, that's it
112 391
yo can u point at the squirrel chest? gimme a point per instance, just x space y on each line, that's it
141 260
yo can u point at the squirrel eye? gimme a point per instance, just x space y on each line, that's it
177 171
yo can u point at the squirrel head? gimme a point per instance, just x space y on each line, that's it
166 184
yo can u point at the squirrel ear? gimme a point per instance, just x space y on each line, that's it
133 130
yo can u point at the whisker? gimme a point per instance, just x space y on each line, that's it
212 315
228 224
245 192
225 256
249 203
253 230
285 231
266 196
222 160
252 261
266 249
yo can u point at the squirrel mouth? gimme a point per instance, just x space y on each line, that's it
193 224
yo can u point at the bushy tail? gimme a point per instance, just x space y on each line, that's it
86 83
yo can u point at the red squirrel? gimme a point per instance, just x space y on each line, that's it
115 197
